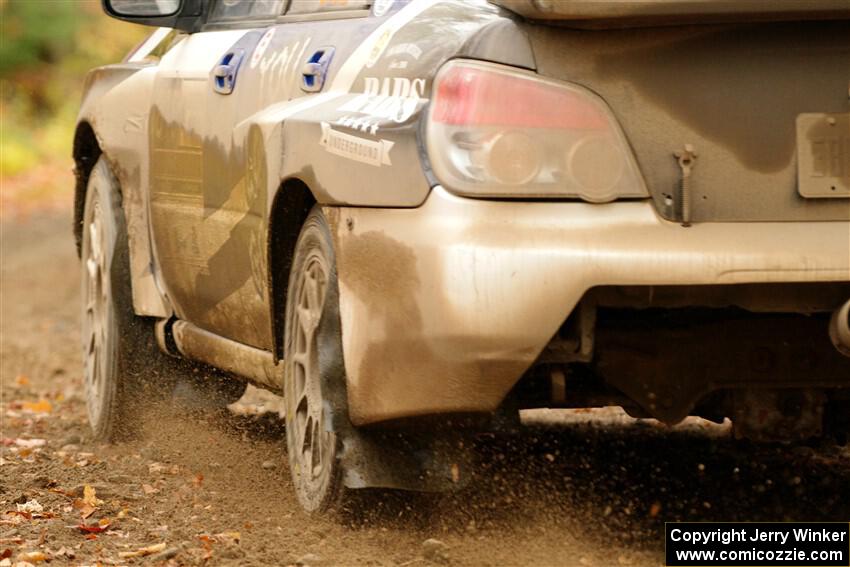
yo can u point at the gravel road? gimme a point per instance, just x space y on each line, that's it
580 488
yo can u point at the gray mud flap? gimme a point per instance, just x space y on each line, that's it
427 460
406 460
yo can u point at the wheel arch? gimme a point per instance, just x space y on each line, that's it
291 204
86 152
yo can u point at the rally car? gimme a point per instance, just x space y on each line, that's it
412 218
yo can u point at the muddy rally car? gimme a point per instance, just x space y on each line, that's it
414 219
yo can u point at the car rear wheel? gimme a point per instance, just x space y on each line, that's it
121 373
312 395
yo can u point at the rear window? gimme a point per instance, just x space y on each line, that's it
225 10
314 6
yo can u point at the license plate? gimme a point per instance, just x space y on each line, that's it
823 155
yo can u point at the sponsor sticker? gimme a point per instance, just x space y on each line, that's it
390 98
262 45
359 123
410 49
372 152
379 47
381 7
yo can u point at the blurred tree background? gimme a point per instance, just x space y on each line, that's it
46 48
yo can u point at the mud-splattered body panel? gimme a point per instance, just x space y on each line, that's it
446 300
217 160
733 92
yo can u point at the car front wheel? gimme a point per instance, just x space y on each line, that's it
120 370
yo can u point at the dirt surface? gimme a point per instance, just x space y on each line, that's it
586 488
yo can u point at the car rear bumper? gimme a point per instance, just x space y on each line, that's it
444 307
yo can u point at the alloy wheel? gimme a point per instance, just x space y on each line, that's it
96 312
311 443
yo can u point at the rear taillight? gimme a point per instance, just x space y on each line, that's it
501 132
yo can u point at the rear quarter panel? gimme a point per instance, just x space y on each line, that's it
358 143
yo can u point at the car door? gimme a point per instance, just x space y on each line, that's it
200 212
209 178
230 290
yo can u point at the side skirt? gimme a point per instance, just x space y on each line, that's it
254 365
371 457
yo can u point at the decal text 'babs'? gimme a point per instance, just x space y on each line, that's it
391 98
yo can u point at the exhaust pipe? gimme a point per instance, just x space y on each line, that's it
839 329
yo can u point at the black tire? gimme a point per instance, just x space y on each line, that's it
314 383
123 367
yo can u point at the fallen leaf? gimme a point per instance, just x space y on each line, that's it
30 443
94 528
142 552
30 506
41 406
86 510
208 541
65 552
232 536
198 479
33 556
22 380
148 489
5 553
90 496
